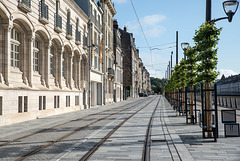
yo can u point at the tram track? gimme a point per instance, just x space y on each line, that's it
58 125
104 139
70 133
147 142
170 140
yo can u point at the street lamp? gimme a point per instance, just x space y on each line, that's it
230 7
184 46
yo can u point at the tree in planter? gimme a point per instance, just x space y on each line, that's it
182 81
206 39
191 75
176 81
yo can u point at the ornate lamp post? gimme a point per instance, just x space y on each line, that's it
230 7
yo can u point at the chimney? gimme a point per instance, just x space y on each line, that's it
125 28
115 24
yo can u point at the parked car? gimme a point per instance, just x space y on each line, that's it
141 94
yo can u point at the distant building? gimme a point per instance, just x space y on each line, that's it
118 64
229 85
130 56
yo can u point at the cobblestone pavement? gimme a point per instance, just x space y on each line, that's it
171 136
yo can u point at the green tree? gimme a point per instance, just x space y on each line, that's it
206 40
191 75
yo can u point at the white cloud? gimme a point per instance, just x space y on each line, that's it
226 72
151 25
119 1
152 20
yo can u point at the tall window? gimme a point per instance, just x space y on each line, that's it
51 59
36 47
15 48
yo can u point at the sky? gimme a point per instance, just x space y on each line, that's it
160 19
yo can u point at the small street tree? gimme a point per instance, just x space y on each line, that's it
182 80
191 75
206 39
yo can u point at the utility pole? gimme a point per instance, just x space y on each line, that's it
171 64
104 53
177 47
90 60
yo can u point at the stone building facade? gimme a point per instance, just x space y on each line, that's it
109 57
118 64
43 57
95 46
58 56
132 66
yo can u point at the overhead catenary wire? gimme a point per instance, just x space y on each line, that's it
140 25
158 45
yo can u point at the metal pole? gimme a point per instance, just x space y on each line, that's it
171 64
177 47
169 70
208 10
103 53
90 60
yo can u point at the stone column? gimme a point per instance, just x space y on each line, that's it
79 72
6 55
70 63
46 64
59 71
29 70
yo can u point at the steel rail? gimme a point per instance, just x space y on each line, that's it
64 123
147 142
95 148
163 123
73 132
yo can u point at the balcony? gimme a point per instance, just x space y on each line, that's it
57 23
24 5
111 72
78 37
43 13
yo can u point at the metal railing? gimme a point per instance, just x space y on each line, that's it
26 3
57 20
78 36
43 10
111 71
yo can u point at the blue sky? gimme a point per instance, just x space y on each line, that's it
160 21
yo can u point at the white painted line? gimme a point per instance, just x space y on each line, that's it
69 150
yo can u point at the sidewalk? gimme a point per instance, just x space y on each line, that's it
202 149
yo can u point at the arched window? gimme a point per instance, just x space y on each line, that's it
36 49
15 48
